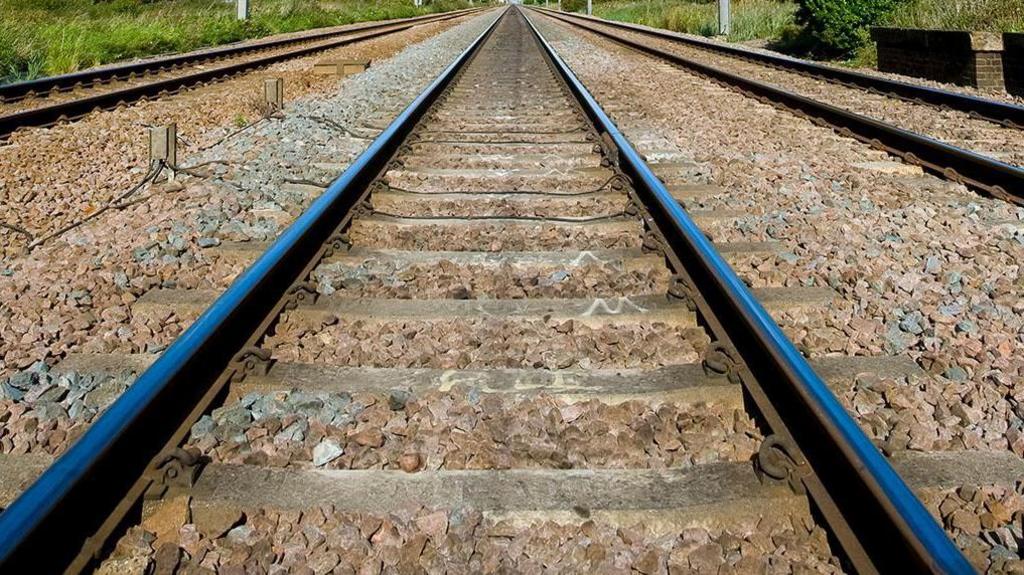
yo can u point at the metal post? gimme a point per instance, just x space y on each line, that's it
590 7
242 9
723 17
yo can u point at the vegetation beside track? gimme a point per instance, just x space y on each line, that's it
752 19
982 15
995 15
834 29
46 37
830 29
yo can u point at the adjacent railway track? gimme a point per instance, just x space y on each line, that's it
984 147
590 285
46 101
1004 113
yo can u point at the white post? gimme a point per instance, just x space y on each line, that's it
723 18
590 7
242 9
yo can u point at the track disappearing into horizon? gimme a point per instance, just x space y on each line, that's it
576 308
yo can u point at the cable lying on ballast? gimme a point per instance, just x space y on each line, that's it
154 171
17 229
332 124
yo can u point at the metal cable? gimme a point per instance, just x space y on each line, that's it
333 124
154 171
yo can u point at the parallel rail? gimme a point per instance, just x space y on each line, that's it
47 115
87 491
90 489
997 178
993 110
42 86
875 516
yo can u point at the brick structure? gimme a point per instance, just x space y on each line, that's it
964 58
1013 63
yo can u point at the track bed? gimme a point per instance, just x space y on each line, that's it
498 361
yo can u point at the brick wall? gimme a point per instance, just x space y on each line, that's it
964 58
1013 62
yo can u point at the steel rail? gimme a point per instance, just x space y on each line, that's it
53 113
46 528
42 86
988 109
1000 179
893 529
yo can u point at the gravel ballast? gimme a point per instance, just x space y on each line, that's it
56 176
950 126
322 540
467 429
487 343
921 267
76 292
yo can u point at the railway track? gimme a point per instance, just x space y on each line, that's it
462 321
964 138
46 101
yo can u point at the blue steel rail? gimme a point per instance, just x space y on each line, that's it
891 524
993 110
46 528
1000 179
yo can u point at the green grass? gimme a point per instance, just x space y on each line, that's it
751 19
974 15
45 37
971 15
774 20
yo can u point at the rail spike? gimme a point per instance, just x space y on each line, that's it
298 294
250 361
653 243
362 209
679 288
778 458
338 243
379 187
174 471
719 359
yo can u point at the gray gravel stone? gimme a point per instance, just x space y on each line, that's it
325 452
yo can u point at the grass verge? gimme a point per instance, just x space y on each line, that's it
974 15
774 21
970 15
751 19
47 37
